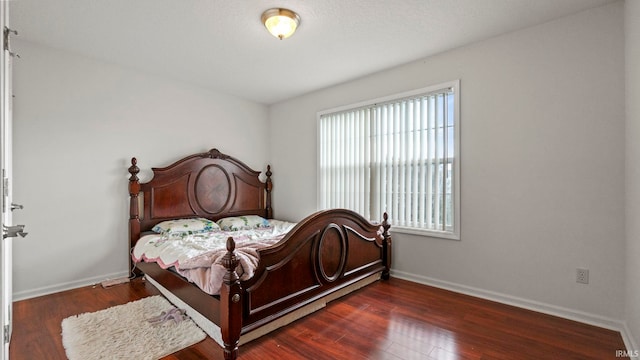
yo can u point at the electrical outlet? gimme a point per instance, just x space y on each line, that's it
582 276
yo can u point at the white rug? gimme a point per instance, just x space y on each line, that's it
123 332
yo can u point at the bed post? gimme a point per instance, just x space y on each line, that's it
230 303
268 209
134 217
386 247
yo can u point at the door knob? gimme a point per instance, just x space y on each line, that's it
16 207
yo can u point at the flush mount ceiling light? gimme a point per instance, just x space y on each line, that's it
282 23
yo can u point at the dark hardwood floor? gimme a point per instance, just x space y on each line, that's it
392 319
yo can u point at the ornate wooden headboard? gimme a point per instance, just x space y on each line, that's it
210 185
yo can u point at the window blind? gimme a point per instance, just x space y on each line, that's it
396 156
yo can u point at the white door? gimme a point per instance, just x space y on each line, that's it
6 184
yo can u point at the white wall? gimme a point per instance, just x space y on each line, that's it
542 165
632 32
77 124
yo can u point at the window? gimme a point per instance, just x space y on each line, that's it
398 155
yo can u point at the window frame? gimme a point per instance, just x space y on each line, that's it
454 234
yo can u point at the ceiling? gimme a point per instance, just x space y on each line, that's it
223 46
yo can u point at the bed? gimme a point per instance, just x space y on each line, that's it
322 257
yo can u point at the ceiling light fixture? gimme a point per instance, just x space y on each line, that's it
282 23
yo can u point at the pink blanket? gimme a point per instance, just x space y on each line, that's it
206 270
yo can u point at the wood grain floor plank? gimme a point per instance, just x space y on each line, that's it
394 320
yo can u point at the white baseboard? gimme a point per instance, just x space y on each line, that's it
575 315
23 295
629 340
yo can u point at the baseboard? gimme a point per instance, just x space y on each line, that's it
28 294
575 315
629 340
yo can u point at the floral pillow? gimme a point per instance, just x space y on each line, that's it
243 223
185 227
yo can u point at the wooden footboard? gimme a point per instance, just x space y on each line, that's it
325 253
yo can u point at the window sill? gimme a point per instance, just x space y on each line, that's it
424 232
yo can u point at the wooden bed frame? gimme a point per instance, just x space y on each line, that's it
321 257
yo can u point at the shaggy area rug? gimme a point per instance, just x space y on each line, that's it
125 332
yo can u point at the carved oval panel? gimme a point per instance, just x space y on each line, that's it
213 189
331 253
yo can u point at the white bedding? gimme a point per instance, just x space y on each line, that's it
198 257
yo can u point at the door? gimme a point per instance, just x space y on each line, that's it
8 231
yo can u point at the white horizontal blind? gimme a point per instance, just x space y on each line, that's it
396 157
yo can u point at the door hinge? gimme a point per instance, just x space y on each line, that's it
6 334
